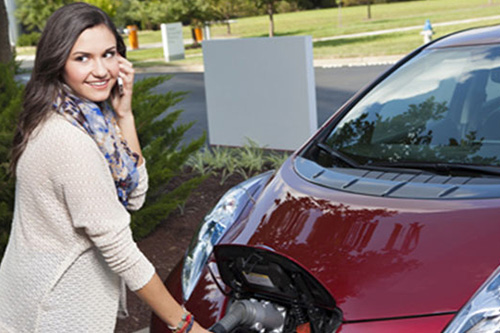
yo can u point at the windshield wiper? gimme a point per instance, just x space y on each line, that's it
334 153
353 164
446 168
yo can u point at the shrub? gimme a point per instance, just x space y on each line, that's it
10 106
30 39
247 161
164 153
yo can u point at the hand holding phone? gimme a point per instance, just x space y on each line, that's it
121 97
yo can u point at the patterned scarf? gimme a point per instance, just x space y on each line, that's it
101 125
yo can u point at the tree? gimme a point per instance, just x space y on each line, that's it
225 10
33 14
5 49
192 12
368 3
147 14
271 8
108 6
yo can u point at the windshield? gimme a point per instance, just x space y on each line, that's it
443 106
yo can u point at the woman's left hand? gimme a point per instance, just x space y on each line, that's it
122 104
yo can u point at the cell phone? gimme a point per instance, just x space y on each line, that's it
119 84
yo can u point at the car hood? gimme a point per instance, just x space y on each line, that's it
378 257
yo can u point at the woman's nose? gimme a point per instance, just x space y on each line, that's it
100 69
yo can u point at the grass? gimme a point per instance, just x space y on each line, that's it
25 50
154 57
160 62
398 43
327 22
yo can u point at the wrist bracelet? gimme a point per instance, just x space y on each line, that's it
187 326
182 324
190 326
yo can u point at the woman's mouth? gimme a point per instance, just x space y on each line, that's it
99 84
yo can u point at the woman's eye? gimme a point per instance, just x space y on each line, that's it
82 58
109 54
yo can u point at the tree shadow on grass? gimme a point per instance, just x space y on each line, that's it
284 34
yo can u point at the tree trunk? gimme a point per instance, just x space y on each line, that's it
193 36
229 11
228 23
339 16
369 9
5 48
270 12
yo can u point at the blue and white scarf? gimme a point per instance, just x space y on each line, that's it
100 124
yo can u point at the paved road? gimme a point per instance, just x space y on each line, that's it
334 86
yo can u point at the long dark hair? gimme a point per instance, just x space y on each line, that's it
58 37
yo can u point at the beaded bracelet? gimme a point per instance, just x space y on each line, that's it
186 324
183 324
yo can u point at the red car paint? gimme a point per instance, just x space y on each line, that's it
379 257
391 264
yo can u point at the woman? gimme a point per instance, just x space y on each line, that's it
79 168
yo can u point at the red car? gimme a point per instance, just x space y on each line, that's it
386 220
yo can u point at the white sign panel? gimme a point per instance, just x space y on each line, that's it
173 42
260 89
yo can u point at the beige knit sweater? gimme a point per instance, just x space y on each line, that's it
71 245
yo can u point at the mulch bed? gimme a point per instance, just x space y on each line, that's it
167 244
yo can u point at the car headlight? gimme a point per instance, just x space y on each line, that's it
214 226
482 313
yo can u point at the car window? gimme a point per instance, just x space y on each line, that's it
442 106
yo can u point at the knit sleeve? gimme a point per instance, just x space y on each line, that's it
138 195
94 208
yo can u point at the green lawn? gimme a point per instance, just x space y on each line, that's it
156 54
325 22
331 22
398 43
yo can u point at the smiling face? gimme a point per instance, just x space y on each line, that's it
92 66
